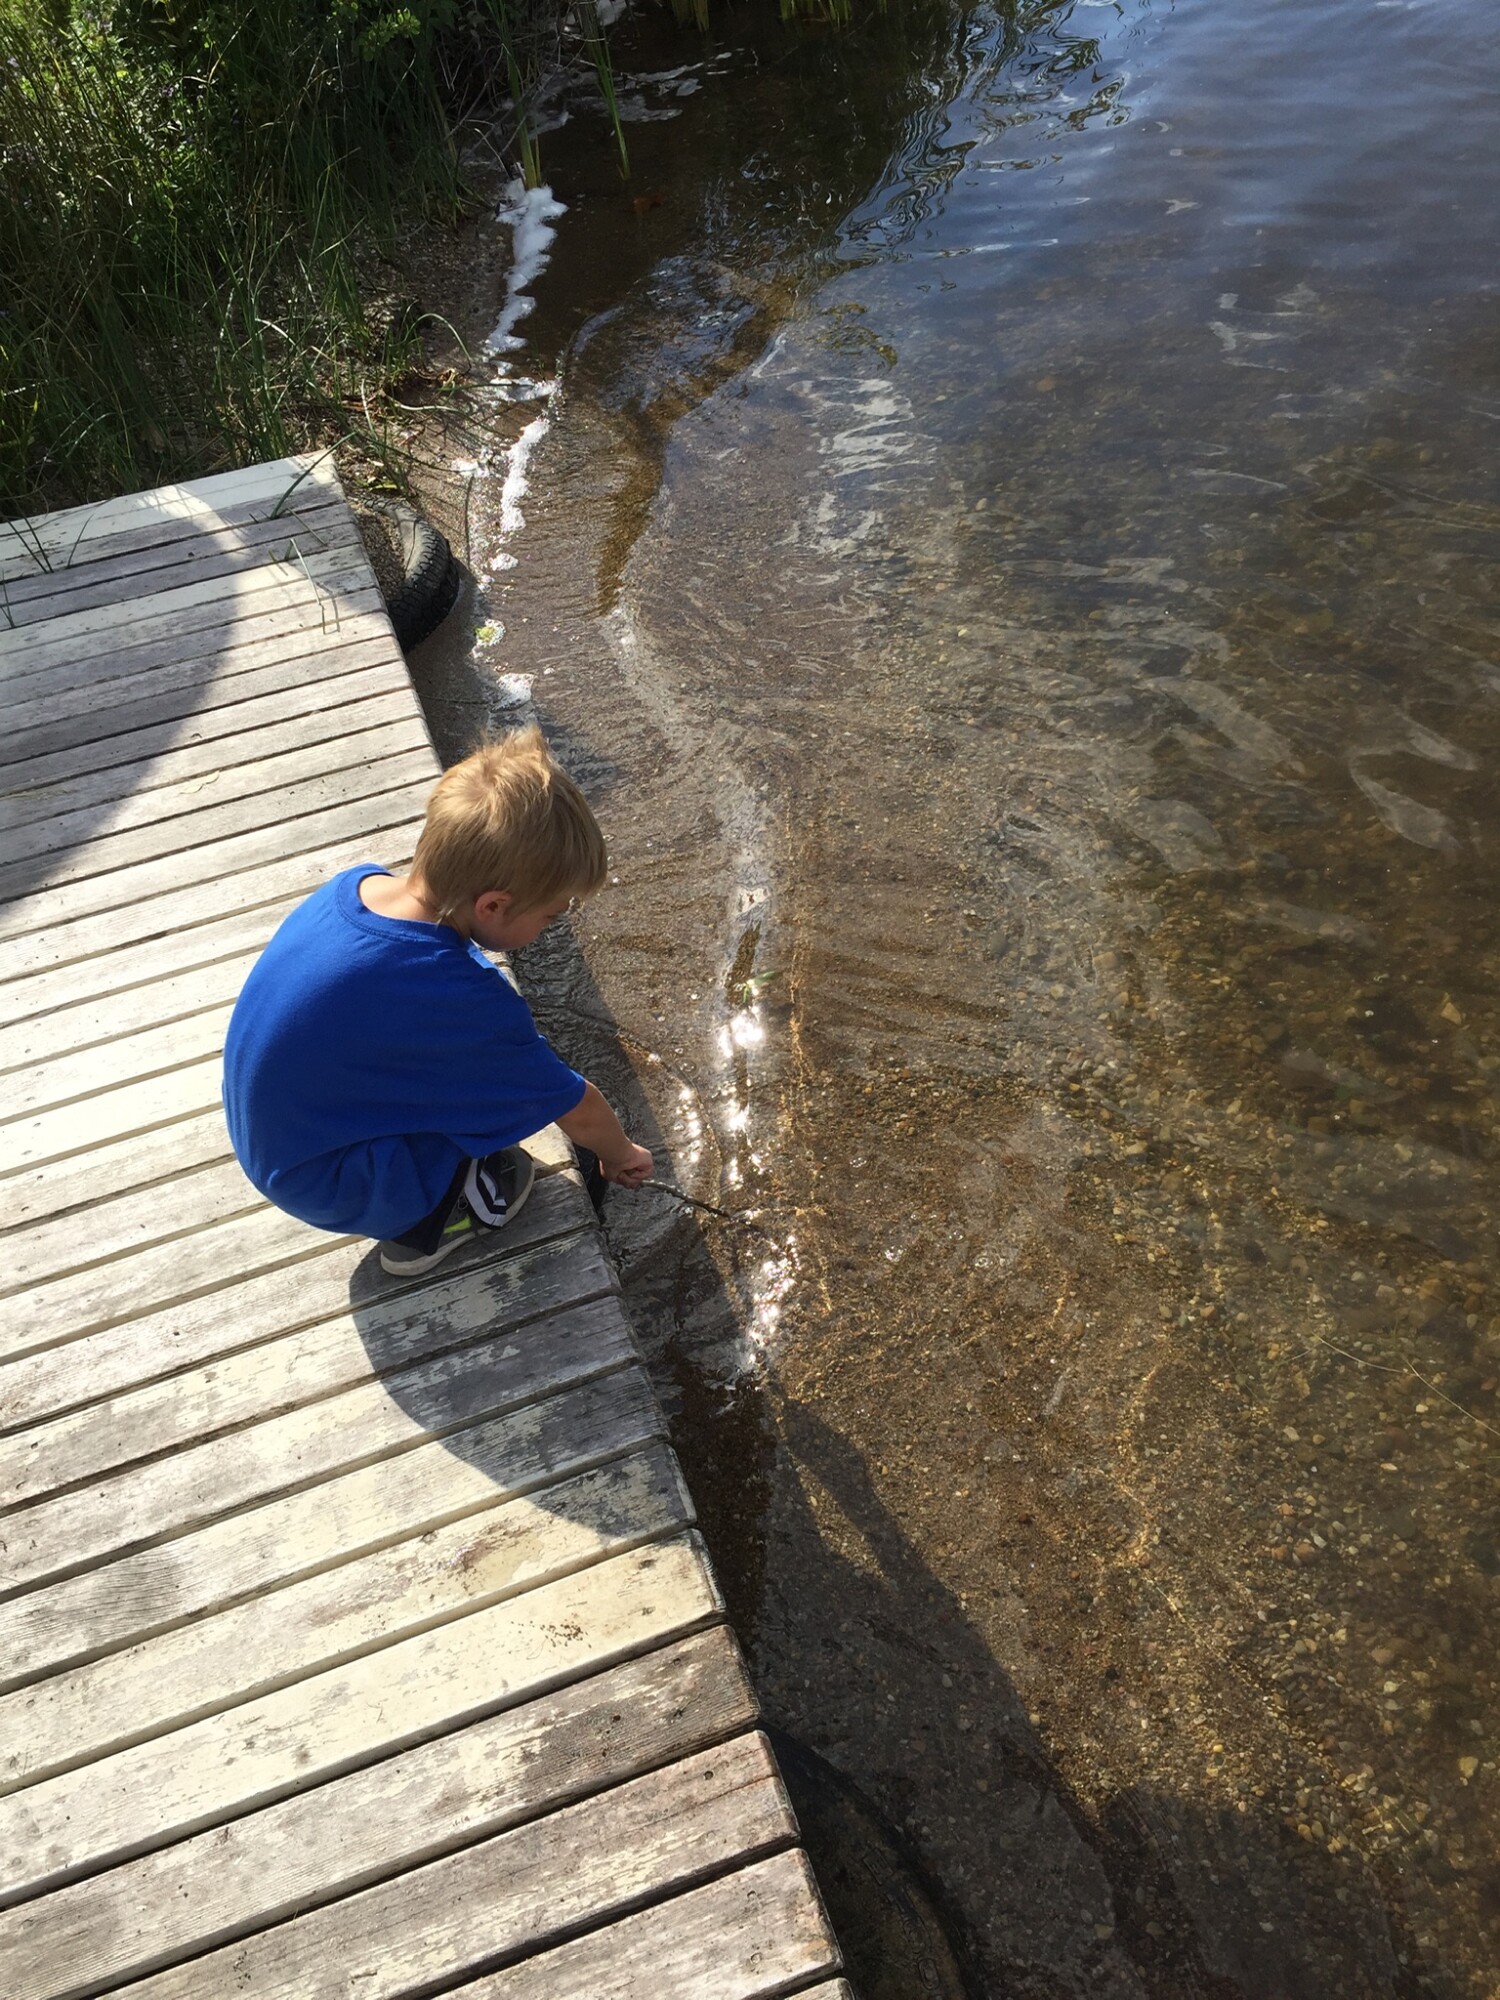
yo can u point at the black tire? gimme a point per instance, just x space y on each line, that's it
430 575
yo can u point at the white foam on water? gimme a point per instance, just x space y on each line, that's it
516 485
510 691
997 248
530 214
522 389
631 108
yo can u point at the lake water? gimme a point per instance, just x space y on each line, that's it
1012 556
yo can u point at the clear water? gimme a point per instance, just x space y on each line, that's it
1013 556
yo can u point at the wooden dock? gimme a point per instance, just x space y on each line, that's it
354 1636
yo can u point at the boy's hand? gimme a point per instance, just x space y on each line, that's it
592 1124
636 1166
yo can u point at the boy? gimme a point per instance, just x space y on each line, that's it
378 1070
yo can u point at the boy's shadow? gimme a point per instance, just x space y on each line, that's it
442 1347
861 1652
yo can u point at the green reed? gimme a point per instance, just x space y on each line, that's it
198 202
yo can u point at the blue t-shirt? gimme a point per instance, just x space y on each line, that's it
368 1057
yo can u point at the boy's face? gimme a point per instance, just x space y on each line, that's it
499 927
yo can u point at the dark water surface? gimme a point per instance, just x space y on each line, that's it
1013 560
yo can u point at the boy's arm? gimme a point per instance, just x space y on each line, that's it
591 1123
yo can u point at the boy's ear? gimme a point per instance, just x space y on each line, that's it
493 905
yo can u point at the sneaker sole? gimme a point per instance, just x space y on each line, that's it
417 1265
513 1209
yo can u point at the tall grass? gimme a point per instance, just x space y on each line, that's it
195 200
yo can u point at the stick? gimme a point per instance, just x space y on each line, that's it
708 1207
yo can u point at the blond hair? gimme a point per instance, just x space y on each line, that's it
508 818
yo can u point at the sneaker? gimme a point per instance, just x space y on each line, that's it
493 1192
404 1260
496 1187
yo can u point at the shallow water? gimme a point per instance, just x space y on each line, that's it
1012 557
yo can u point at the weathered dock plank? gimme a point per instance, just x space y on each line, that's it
315 811
211 770
754 1934
56 543
475 1548
166 1498
320 1845
301 1367
164 716
354 1631
147 1158
171 817
338 1278
214 1770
